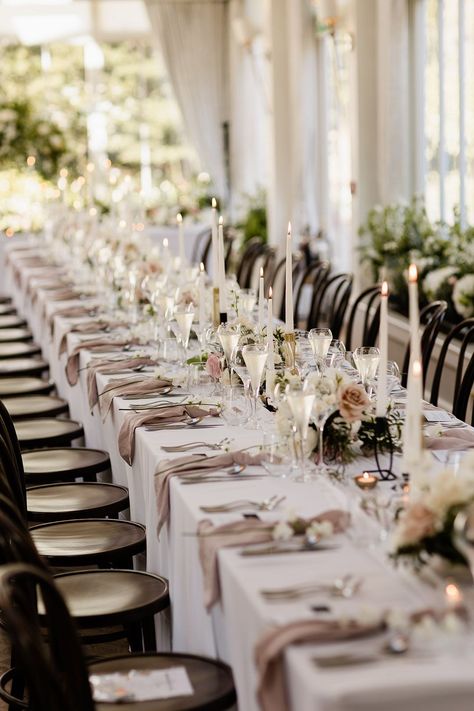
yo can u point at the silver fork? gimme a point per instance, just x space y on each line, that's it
266 505
344 587
197 445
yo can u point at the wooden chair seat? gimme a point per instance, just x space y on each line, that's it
19 350
58 502
105 598
42 466
22 366
211 681
22 408
11 321
8 335
89 541
24 386
47 432
7 309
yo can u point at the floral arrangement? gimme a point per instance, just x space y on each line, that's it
399 233
314 530
424 527
387 440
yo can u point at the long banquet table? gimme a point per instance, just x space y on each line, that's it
232 628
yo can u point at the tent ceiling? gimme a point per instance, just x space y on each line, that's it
41 21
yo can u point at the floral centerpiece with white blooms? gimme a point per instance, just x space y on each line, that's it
424 528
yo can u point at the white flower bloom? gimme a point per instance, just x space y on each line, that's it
320 529
282 531
436 278
463 295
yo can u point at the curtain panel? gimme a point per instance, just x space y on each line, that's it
192 35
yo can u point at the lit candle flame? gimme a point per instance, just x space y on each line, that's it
261 272
221 220
416 369
165 243
270 293
179 218
201 267
412 273
289 229
214 203
384 290
453 595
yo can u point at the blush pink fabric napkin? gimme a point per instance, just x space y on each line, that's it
125 386
88 327
271 691
462 438
163 415
71 312
240 533
97 345
192 464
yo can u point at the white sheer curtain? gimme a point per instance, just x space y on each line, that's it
394 125
192 35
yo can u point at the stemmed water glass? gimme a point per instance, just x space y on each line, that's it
303 353
229 337
336 354
300 398
366 360
320 339
255 358
322 410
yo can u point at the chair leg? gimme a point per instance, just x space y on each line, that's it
134 637
149 636
17 689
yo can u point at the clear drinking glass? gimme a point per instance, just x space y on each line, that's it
366 360
229 337
236 407
336 354
184 320
320 339
300 398
276 455
255 358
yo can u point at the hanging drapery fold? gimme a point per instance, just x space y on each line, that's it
192 35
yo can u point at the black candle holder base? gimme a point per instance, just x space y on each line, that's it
382 429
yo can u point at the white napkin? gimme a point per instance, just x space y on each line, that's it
141 685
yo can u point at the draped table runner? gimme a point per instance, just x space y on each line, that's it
232 628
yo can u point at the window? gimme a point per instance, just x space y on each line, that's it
444 88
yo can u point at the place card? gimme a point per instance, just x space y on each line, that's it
437 416
141 685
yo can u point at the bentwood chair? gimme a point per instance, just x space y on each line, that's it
106 604
24 386
464 381
11 321
330 304
200 244
311 281
365 303
56 676
22 366
13 349
254 249
15 335
23 408
431 317
7 309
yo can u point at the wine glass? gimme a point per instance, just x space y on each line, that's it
300 398
366 360
303 353
322 410
247 301
255 358
336 354
184 319
320 339
229 337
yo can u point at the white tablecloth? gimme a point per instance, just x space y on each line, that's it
234 625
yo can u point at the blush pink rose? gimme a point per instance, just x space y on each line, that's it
418 522
353 400
213 366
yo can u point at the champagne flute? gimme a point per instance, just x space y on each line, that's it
321 413
184 319
320 339
255 358
366 360
300 398
229 337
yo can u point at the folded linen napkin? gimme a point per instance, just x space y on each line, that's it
241 533
462 438
192 464
271 690
97 345
71 312
88 327
63 294
125 386
164 415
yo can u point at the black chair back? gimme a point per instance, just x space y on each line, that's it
432 317
371 321
253 250
330 304
54 672
200 244
463 331
314 278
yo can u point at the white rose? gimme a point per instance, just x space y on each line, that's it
282 532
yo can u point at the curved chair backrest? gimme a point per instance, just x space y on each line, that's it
431 316
313 277
200 244
10 456
254 249
371 320
11 482
462 390
279 276
16 544
55 673
206 253
331 303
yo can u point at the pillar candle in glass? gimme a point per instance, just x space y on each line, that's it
261 300
289 282
221 267
381 408
214 244
179 220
